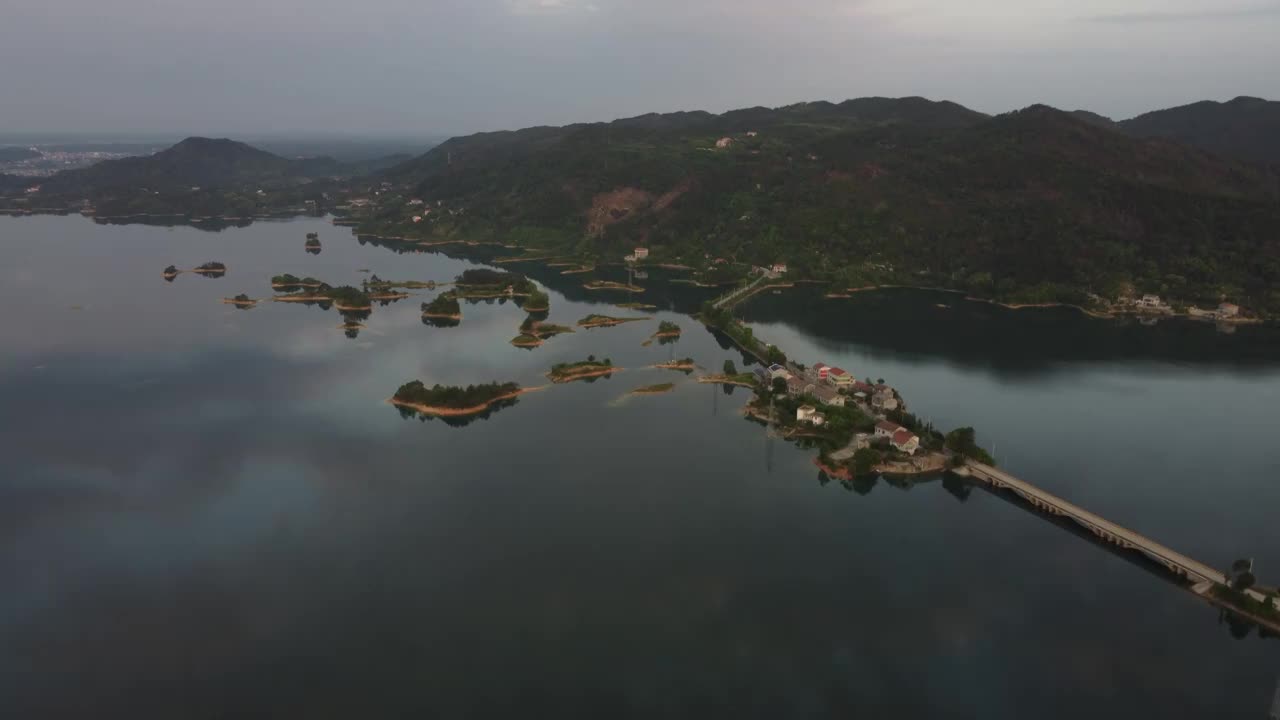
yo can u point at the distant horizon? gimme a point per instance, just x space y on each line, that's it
20 137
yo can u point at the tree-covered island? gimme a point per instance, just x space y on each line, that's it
594 321
445 307
582 370
454 399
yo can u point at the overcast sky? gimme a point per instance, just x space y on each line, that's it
436 66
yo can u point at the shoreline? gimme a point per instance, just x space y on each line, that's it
682 367
240 303
442 316
457 412
723 380
609 323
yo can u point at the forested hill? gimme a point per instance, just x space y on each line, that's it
1035 205
195 161
1245 128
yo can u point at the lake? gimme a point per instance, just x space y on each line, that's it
213 512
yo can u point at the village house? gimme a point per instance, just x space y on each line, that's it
724 142
1228 310
886 429
415 201
822 370
884 400
752 133
805 412
828 396
905 441
840 378
797 385
417 218
779 268
1149 301
778 371
641 253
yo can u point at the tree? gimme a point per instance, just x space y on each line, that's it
775 355
779 386
866 459
730 368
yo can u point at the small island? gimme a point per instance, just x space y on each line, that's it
668 332
350 298
210 269
376 283
171 272
583 370
241 300
482 284
533 333
537 302
594 321
313 244
444 307
684 365
291 283
654 389
455 400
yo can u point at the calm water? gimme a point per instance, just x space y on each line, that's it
211 512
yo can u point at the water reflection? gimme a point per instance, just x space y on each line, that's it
458 421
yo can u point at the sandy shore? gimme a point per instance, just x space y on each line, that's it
455 412
654 389
242 303
441 316
301 298
352 308
683 367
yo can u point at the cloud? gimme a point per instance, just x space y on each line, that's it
1164 16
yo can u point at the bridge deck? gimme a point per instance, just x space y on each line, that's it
1193 568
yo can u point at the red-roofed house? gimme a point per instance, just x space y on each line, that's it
887 429
840 378
905 441
822 370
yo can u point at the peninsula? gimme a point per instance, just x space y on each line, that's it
596 321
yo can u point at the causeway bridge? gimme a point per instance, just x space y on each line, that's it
1199 575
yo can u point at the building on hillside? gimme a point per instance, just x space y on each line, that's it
905 441
417 218
752 133
828 396
778 371
724 142
805 412
840 378
416 201
1228 310
642 253
884 400
886 429
1149 302
822 370
779 268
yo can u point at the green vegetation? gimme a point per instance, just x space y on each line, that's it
287 281
482 282
565 372
865 459
453 397
242 298
444 305
1033 206
171 270
668 328
963 441
1242 600
348 296
594 320
730 368
654 389
211 267
538 301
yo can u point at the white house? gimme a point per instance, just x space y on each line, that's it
642 253
778 371
805 413
1149 301
840 378
724 142
886 429
905 441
